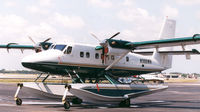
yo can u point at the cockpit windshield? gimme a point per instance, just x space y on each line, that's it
60 47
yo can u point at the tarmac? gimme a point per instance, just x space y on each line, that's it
179 97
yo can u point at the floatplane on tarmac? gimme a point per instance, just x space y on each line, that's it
110 59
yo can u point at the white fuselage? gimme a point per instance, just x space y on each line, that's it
78 55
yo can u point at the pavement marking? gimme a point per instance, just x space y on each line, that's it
9 105
186 84
158 101
134 106
102 107
178 92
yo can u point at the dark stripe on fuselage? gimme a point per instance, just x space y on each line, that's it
61 69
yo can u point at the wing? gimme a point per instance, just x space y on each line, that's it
39 47
155 43
189 52
15 46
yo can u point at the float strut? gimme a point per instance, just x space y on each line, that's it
64 98
16 98
45 78
38 77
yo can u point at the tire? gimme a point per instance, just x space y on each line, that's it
66 105
18 101
125 103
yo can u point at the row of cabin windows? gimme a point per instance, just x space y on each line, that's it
69 50
112 57
87 54
146 61
97 56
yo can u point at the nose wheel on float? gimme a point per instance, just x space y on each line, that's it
18 101
16 98
65 101
67 105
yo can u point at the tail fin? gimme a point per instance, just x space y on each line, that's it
167 31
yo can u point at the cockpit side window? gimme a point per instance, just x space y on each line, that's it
60 47
68 50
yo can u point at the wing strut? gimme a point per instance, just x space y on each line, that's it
188 57
116 61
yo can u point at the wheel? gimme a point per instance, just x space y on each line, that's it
77 101
19 101
66 105
125 103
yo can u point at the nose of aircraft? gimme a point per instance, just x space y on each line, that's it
49 56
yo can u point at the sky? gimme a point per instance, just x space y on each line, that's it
75 20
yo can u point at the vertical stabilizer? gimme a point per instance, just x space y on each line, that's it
167 31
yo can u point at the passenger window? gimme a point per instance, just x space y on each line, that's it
87 55
82 54
97 55
68 50
107 56
112 57
127 59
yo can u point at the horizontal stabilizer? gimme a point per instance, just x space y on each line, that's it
190 52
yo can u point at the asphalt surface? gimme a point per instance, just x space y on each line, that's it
179 97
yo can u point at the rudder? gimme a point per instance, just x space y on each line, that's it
167 31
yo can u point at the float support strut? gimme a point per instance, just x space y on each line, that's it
16 98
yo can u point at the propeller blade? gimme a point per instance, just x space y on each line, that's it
47 40
36 46
95 37
114 35
32 40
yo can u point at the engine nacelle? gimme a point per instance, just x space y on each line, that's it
116 51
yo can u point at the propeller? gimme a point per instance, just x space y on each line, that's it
95 37
44 45
32 40
46 40
104 42
104 45
114 35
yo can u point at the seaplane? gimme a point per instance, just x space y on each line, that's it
110 59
